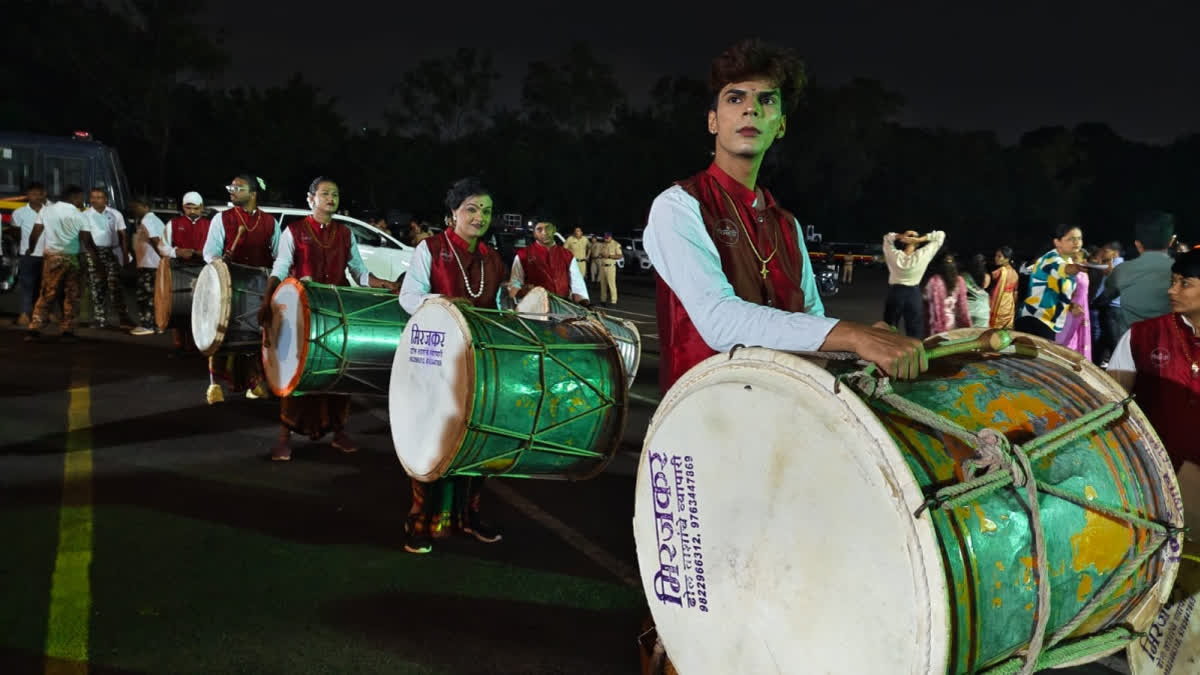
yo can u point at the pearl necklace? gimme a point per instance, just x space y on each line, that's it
466 279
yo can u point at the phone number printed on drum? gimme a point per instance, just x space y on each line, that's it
680 579
425 346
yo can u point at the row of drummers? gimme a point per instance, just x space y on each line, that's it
531 385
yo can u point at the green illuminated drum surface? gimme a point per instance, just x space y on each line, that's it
332 339
539 301
491 392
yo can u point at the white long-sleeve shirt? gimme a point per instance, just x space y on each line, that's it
285 253
906 269
517 278
686 258
214 243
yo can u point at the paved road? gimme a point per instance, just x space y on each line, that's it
145 532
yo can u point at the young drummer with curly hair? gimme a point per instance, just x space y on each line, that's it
731 262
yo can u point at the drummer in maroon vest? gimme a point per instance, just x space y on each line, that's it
184 240
1158 360
247 235
316 248
455 264
544 263
731 262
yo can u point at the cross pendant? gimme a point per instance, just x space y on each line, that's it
763 272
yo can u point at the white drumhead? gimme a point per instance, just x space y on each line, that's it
284 360
798 508
430 393
210 308
536 301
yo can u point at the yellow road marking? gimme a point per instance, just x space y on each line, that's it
70 587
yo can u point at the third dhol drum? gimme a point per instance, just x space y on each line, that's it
796 515
334 339
482 392
629 341
173 285
225 306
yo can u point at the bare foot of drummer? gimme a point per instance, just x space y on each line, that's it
342 442
282 452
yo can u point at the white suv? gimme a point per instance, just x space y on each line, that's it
383 254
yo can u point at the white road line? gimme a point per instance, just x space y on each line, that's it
614 565
617 567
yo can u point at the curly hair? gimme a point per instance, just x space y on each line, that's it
463 188
752 58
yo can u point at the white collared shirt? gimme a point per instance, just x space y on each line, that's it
151 226
26 218
106 227
63 223
286 252
578 287
686 259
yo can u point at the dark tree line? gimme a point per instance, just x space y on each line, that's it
575 151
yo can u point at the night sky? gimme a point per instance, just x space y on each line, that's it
1009 69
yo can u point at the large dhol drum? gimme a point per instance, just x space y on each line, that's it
225 306
332 339
487 393
539 301
797 515
173 284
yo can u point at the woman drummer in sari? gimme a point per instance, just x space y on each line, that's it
454 264
1004 290
316 248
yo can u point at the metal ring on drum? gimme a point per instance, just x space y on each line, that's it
332 339
775 528
173 284
539 303
479 392
225 304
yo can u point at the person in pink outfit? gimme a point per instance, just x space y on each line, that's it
945 297
1077 330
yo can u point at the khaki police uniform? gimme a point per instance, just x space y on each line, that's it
578 246
608 269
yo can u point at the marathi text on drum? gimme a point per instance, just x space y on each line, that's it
1161 643
429 338
673 521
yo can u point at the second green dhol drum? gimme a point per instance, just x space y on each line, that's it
489 392
332 339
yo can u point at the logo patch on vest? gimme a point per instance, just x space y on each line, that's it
726 232
445 254
1159 357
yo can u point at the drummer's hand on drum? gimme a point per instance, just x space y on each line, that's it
185 253
897 355
265 315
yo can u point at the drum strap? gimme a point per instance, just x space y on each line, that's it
1006 464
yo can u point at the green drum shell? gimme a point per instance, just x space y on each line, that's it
625 333
548 398
352 339
986 544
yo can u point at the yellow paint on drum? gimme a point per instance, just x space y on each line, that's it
1103 543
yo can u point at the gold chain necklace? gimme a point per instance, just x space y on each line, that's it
749 240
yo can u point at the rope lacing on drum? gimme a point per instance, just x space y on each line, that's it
1005 464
